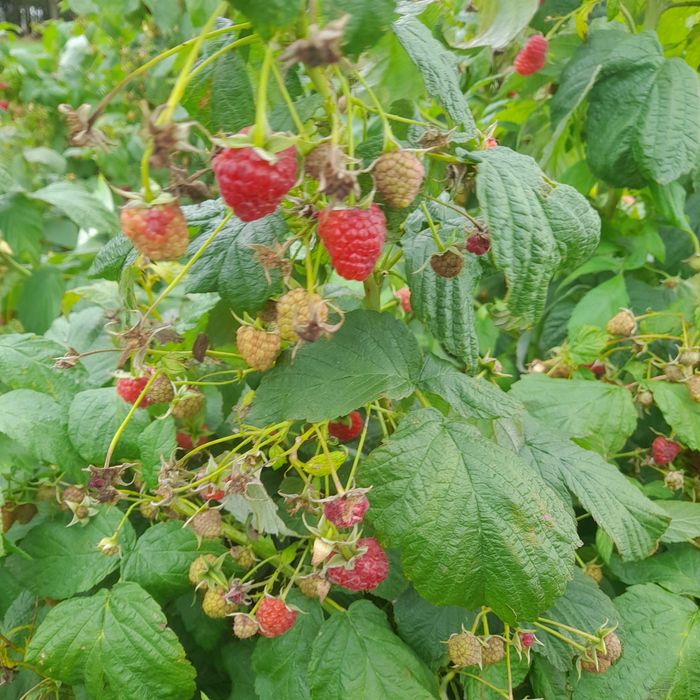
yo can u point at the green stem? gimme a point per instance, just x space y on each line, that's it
509 671
433 230
444 683
260 130
568 628
493 687
243 41
388 135
561 637
358 454
288 101
653 12
15 265
372 293
676 5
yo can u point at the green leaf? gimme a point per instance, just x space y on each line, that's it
600 304
437 66
230 265
537 227
586 344
497 675
39 423
680 412
236 659
65 560
39 300
356 656
685 521
634 523
583 606
500 21
466 396
93 419
280 663
369 21
156 443
445 305
115 642
603 414
426 628
661 650
161 558
473 525
677 570
270 15
21 225
79 205
372 355
112 258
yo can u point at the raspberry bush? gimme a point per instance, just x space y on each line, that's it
350 350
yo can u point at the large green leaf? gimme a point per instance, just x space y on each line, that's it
437 66
112 258
21 225
446 305
632 521
115 642
369 21
583 606
680 412
280 663
474 526
93 419
230 265
161 559
660 650
685 521
600 304
538 227
356 656
270 15
677 570
372 355
39 300
156 444
65 560
603 414
500 21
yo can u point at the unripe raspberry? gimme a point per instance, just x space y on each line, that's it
674 372
464 649
447 264
645 398
346 429
404 297
214 604
314 586
493 650
595 571
346 510
622 324
593 666
244 626
73 494
158 231
674 480
527 639
693 386
243 556
398 177
689 358
160 391
296 309
189 405
613 648
274 617
257 347
532 57
207 524
148 510
199 569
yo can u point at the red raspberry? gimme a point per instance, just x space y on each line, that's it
404 297
251 185
527 639
532 56
4 85
664 450
478 244
274 617
366 571
185 441
348 428
129 389
158 231
490 143
4 105
346 510
597 367
354 239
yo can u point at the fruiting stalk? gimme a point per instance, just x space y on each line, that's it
260 129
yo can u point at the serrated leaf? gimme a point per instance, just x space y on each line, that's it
369 21
437 66
603 414
472 525
270 15
161 558
39 301
445 305
280 663
93 419
497 675
500 21
236 658
65 560
372 355
660 650
537 227
156 443
685 521
258 507
230 265
677 570
21 225
583 606
466 396
600 304
426 628
116 642
356 656
634 523
680 412
112 258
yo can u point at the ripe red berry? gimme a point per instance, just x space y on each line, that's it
129 389
274 617
354 239
598 368
527 639
664 450
346 429
4 105
478 244
252 185
532 56
364 572
185 441
159 231
346 510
